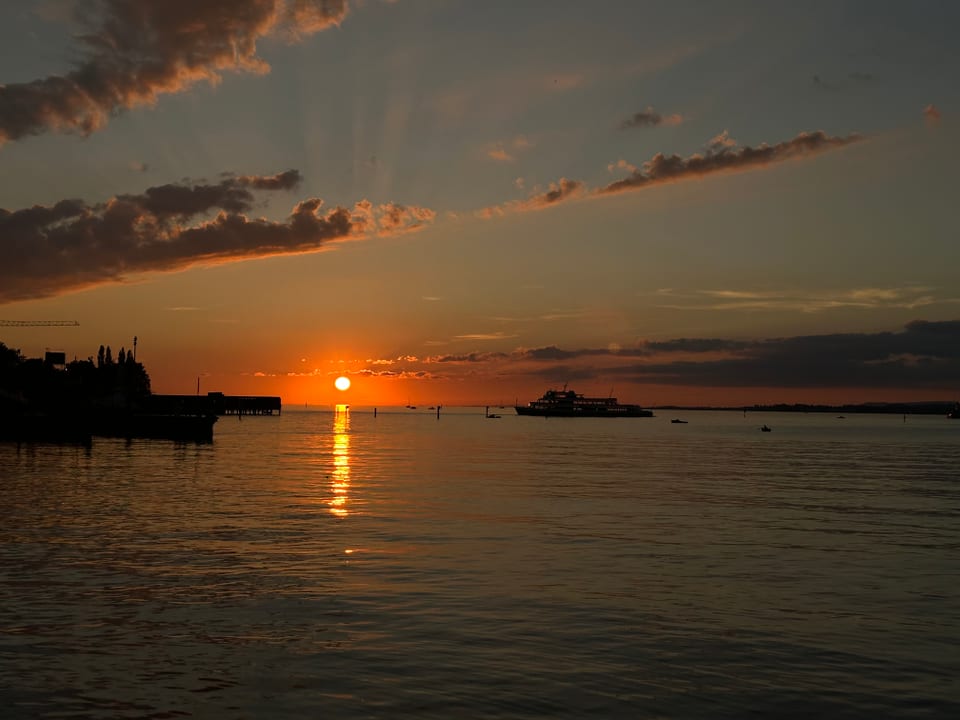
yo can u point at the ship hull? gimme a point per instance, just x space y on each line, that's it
622 412
567 403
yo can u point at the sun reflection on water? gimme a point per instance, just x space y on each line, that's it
340 478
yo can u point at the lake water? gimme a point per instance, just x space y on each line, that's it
350 566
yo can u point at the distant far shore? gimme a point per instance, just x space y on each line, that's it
910 408
903 408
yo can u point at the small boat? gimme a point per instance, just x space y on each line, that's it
678 421
955 413
765 429
567 403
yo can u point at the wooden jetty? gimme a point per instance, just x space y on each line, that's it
216 403
245 404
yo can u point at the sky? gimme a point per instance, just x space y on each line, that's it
462 202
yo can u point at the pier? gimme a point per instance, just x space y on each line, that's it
245 404
216 403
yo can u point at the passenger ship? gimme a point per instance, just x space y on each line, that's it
567 403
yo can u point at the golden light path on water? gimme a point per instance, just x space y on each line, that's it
341 460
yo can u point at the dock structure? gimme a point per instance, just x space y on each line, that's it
245 404
215 403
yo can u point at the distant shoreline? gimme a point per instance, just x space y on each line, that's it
911 408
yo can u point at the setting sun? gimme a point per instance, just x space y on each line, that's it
342 383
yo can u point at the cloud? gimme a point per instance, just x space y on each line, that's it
722 158
932 114
134 52
390 218
903 298
398 374
621 164
720 142
552 352
498 153
484 336
650 118
556 193
72 244
693 345
507 151
924 355
722 155
474 357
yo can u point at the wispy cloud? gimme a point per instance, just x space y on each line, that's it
621 165
484 336
722 155
73 244
467 358
558 315
650 118
720 158
506 151
905 298
134 52
555 194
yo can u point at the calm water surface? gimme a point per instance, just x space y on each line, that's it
345 566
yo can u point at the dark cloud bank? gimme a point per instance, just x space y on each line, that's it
72 244
924 355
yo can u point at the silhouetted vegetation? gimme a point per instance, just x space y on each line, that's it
40 385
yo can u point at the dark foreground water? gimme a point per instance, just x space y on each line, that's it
329 566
